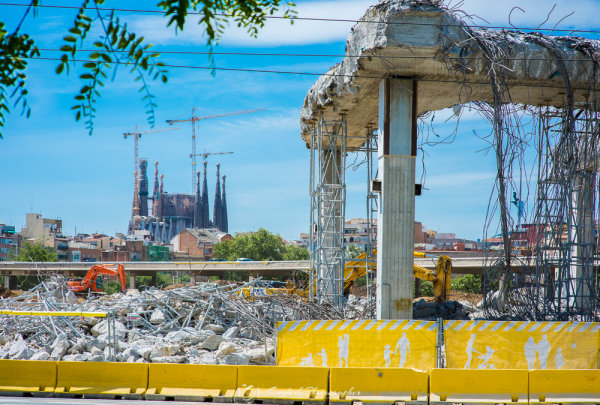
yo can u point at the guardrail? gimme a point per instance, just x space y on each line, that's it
298 385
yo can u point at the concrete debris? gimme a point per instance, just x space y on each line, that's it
207 323
212 343
102 329
40 355
226 348
20 351
218 329
231 333
60 350
235 359
157 317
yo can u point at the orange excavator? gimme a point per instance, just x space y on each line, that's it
93 279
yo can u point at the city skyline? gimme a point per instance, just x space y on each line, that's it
56 169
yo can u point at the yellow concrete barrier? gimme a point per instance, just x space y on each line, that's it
191 382
526 345
448 385
27 377
282 384
100 380
378 385
402 343
564 386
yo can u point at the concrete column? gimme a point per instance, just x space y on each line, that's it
132 282
10 282
396 216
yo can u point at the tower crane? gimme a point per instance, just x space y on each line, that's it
193 120
136 138
206 154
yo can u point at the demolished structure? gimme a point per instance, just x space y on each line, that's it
405 59
207 323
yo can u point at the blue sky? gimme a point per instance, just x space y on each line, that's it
50 165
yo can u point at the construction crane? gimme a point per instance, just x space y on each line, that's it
136 148
206 154
193 120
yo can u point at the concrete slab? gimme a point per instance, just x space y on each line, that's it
430 43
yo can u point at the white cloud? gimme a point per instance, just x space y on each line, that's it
275 32
306 32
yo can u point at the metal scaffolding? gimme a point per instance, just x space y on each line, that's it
327 203
560 282
370 149
567 214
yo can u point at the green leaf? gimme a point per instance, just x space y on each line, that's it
69 38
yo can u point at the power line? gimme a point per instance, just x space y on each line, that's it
294 73
308 55
141 11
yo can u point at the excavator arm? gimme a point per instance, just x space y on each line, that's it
356 268
440 277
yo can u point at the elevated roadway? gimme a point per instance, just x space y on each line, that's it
460 265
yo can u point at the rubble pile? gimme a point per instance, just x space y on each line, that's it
205 323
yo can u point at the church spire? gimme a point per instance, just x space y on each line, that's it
155 191
198 204
217 205
224 221
159 208
205 220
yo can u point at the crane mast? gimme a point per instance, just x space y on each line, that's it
136 149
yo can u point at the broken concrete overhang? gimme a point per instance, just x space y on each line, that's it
453 62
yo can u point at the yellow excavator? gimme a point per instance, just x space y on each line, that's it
356 268
440 276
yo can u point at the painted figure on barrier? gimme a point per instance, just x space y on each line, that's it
323 355
343 350
530 349
404 346
485 358
559 359
307 361
470 350
543 350
387 355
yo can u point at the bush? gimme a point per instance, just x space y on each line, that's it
426 289
469 283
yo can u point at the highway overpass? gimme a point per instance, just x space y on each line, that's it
460 265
